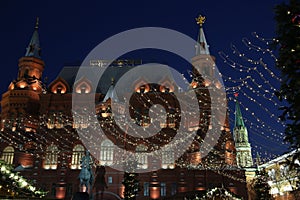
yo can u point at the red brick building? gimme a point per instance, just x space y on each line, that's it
39 138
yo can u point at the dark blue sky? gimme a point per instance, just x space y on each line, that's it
69 30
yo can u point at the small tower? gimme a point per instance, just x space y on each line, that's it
31 66
240 132
23 95
204 77
202 59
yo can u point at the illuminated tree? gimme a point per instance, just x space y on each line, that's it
130 181
261 186
131 185
288 42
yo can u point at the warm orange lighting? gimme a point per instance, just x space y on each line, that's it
171 166
194 84
154 192
22 85
207 83
171 125
11 86
60 192
121 193
200 188
142 88
105 114
83 88
218 85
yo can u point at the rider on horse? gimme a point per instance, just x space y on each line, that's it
86 175
87 161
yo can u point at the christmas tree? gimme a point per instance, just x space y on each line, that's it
130 181
131 185
261 186
13 185
288 43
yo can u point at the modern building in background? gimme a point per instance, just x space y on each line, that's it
39 138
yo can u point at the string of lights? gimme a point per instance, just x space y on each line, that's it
257 83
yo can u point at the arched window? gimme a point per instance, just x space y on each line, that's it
51 157
78 153
167 159
142 156
106 152
83 87
8 154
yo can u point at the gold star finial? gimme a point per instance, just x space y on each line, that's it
200 20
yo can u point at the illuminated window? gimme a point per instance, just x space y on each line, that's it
55 120
146 189
78 153
109 180
106 152
171 118
163 189
8 154
142 156
167 160
59 89
59 120
51 157
83 88
80 121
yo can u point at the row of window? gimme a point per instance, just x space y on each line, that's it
106 156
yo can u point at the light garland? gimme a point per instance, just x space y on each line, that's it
19 185
219 193
256 83
249 86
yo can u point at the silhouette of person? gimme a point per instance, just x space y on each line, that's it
100 183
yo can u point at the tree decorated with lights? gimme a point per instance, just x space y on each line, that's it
14 185
288 41
131 185
130 181
261 186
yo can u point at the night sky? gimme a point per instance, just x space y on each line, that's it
69 30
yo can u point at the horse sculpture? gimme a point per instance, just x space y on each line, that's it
86 176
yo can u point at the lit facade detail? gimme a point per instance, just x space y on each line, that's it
8 154
78 153
51 157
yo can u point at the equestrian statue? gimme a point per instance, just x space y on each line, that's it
86 176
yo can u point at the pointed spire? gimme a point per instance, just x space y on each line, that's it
201 47
257 159
239 122
37 23
111 93
33 48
